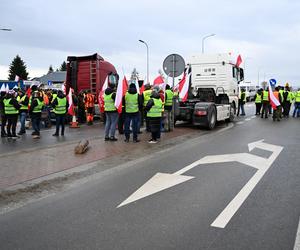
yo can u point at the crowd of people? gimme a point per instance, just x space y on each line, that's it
285 99
153 106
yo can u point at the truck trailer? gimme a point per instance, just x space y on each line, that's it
213 90
88 73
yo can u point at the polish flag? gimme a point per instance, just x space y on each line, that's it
121 91
142 89
158 80
184 85
273 100
71 105
101 95
238 61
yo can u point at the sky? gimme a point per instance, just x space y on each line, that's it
266 33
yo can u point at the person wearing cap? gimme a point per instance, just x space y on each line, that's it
60 106
132 104
11 109
35 112
154 110
111 113
23 100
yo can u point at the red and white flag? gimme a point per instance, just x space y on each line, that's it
183 85
71 105
3 89
238 61
101 95
121 91
158 80
273 100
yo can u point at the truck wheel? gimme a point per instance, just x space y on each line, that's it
232 112
212 117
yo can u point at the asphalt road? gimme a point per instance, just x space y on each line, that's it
181 216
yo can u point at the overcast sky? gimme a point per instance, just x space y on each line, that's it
265 32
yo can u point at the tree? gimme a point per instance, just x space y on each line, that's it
50 70
19 68
63 66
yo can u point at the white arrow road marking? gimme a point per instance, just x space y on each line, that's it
157 183
162 181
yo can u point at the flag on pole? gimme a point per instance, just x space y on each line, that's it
101 95
273 100
238 61
71 105
158 80
183 85
121 91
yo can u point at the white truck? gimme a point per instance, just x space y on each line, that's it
213 90
250 90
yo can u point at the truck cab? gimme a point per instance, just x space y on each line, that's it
213 90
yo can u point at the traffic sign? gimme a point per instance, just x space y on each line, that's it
173 65
272 82
49 83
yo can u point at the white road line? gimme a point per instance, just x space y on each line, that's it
297 241
254 116
248 119
239 123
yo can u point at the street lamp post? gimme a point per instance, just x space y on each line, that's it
204 39
147 59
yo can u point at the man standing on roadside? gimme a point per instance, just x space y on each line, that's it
60 105
23 100
111 113
132 105
241 103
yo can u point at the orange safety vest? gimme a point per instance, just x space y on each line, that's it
89 101
276 94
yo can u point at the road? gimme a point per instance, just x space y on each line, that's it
261 183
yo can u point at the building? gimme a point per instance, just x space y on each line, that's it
54 79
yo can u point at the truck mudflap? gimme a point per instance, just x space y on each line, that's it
205 114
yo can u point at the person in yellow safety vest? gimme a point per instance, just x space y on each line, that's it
132 104
277 111
287 98
265 103
23 100
258 101
111 113
297 104
54 95
11 109
154 110
60 105
168 109
146 97
241 103
35 112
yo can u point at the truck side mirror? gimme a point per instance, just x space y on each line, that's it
241 75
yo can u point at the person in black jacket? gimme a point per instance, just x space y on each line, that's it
11 109
2 113
35 112
154 114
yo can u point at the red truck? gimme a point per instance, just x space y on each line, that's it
89 72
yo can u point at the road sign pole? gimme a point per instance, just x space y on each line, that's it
173 84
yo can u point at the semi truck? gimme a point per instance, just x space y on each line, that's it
213 90
88 73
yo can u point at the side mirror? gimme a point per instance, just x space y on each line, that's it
241 75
